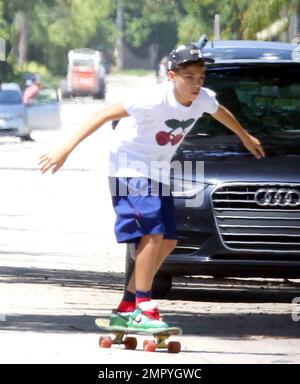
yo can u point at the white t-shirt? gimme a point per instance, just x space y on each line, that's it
145 142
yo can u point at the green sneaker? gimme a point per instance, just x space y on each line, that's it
119 319
146 318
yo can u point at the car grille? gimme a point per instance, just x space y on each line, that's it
244 223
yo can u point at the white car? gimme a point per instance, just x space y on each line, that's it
13 116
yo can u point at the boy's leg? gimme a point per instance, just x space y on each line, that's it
166 247
145 263
146 316
148 251
149 261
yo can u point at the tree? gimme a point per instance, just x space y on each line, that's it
45 30
152 24
120 34
18 13
260 14
199 19
4 26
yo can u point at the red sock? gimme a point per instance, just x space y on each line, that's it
140 297
127 304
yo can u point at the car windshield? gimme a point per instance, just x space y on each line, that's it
9 96
84 63
265 99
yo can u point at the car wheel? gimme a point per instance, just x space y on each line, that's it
101 93
65 93
161 286
26 138
162 282
130 260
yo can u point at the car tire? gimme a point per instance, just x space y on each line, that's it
101 92
162 282
130 260
65 93
26 138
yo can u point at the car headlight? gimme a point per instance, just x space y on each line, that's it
186 189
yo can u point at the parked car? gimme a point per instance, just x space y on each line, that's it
13 117
86 74
243 218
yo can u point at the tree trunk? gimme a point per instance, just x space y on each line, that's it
120 43
22 32
285 14
298 18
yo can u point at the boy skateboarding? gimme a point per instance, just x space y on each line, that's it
146 140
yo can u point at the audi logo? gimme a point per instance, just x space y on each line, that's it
284 197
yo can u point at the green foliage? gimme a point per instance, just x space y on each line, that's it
260 14
153 21
48 80
56 26
4 26
70 25
199 18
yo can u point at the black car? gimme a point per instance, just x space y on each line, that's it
242 219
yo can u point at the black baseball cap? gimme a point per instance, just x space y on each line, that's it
186 54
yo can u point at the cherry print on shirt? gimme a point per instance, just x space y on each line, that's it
163 137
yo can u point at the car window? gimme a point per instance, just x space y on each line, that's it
9 96
46 95
265 100
84 63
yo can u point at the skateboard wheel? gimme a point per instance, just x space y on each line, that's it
130 343
149 346
105 342
174 347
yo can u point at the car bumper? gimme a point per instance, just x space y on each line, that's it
13 127
201 248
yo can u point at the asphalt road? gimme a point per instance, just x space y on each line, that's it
60 267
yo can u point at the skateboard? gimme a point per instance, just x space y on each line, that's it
120 337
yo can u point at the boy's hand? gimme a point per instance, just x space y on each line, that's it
254 146
53 160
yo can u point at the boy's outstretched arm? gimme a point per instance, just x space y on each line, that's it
250 142
57 158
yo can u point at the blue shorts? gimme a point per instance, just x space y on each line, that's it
143 207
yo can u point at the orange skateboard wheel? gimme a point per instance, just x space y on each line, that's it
130 343
149 346
105 342
174 347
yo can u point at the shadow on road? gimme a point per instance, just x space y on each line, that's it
234 290
236 325
61 277
189 289
225 325
233 324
